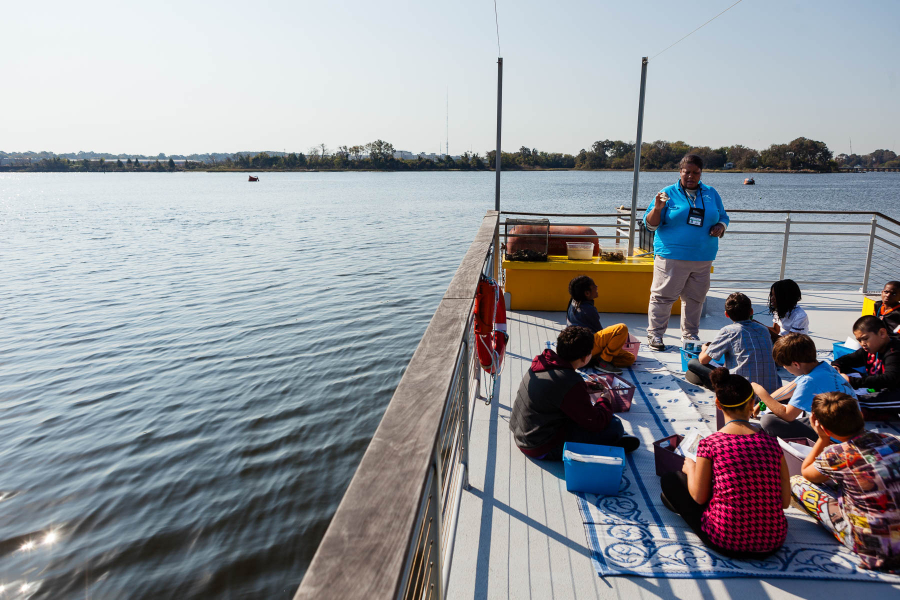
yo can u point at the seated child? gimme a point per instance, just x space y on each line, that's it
553 404
745 346
880 355
886 308
734 496
608 352
787 316
866 468
797 353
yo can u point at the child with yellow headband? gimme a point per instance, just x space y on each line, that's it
734 495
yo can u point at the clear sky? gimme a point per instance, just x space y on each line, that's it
184 77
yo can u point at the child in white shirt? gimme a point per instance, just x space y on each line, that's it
787 315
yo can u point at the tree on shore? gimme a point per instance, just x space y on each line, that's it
800 154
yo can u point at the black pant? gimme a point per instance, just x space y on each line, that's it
675 489
886 400
702 371
613 432
798 428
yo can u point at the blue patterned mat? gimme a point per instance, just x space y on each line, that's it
634 534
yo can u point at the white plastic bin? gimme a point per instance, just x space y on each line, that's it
580 250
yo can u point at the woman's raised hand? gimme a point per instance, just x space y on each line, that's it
661 199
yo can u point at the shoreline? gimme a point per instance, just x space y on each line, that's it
538 170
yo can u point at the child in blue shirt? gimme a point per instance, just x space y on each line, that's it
797 353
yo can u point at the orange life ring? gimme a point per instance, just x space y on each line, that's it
490 325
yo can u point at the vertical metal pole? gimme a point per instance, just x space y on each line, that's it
498 164
637 157
464 418
499 123
784 246
865 285
437 506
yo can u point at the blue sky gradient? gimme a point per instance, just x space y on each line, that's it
183 77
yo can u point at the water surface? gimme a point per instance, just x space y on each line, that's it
191 366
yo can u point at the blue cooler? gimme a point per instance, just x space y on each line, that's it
686 356
839 350
600 477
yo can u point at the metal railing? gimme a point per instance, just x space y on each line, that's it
392 536
847 249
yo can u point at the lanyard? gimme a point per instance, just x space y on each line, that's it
889 311
693 201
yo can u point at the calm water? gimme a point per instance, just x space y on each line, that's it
191 366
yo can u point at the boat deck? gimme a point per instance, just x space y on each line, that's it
520 533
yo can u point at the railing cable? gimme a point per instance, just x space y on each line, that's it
694 31
497 23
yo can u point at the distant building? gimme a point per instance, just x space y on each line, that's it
729 165
404 155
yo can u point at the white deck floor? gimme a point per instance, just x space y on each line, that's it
520 533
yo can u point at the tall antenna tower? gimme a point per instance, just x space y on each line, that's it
448 122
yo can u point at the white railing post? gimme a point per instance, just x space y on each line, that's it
784 247
865 285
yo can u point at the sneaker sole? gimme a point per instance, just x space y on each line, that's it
615 372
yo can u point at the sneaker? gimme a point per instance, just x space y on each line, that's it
689 337
605 367
629 443
655 343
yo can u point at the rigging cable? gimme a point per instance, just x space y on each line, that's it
693 32
497 23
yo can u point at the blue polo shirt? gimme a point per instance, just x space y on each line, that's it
676 239
824 378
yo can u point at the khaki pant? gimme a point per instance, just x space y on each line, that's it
671 279
608 344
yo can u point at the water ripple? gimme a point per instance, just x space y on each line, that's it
192 367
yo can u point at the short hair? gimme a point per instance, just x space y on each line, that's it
574 342
869 324
691 159
838 413
732 390
794 347
578 286
896 284
738 307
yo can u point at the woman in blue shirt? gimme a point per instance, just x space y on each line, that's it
689 219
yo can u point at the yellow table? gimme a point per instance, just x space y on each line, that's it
624 287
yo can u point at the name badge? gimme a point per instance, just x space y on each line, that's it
695 217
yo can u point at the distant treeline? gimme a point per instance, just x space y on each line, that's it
801 154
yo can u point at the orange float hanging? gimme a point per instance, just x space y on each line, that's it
490 325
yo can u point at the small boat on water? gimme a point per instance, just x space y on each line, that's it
252 178
749 181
